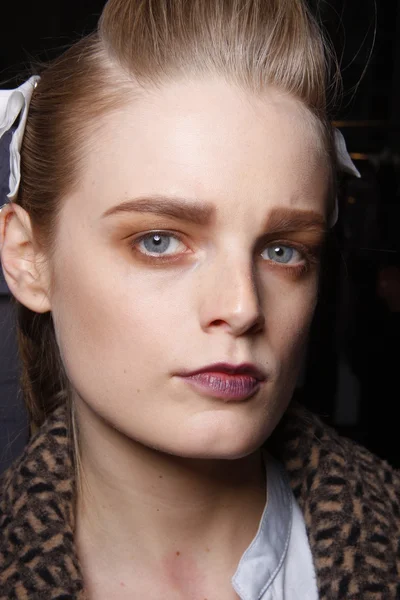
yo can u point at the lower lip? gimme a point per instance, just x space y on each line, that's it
224 386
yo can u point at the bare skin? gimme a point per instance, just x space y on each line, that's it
173 485
194 505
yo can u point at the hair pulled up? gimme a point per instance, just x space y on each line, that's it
252 43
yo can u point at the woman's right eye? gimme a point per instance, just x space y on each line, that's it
158 243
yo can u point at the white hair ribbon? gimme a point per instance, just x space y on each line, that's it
343 157
345 164
14 104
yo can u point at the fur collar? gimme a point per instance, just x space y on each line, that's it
350 501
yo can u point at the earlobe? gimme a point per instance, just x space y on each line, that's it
24 265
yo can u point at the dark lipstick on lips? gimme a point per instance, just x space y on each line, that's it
225 381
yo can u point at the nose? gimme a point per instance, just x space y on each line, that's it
230 300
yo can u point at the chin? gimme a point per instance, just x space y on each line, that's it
230 435
216 434
225 446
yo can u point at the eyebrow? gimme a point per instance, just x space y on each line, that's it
285 220
177 208
201 213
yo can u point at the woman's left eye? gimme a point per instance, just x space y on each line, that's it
160 244
282 254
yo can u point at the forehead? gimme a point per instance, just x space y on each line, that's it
207 139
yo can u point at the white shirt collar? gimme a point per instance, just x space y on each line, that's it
266 554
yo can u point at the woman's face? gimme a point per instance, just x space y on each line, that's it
192 239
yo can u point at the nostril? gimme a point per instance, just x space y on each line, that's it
218 322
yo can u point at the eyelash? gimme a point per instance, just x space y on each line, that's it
153 258
309 253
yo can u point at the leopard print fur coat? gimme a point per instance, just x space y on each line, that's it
350 501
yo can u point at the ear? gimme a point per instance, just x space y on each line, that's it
24 265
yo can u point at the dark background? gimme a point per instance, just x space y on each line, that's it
351 374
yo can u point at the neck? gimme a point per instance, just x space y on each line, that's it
154 507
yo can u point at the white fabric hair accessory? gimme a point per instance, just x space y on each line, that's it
343 157
14 104
346 165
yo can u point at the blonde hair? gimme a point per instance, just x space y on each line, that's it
252 43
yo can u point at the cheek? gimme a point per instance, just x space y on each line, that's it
289 312
110 321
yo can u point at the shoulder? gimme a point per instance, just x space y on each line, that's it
308 446
36 515
350 500
32 486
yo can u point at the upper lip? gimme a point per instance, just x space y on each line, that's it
222 367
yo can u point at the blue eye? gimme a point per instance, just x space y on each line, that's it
281 254
158 243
